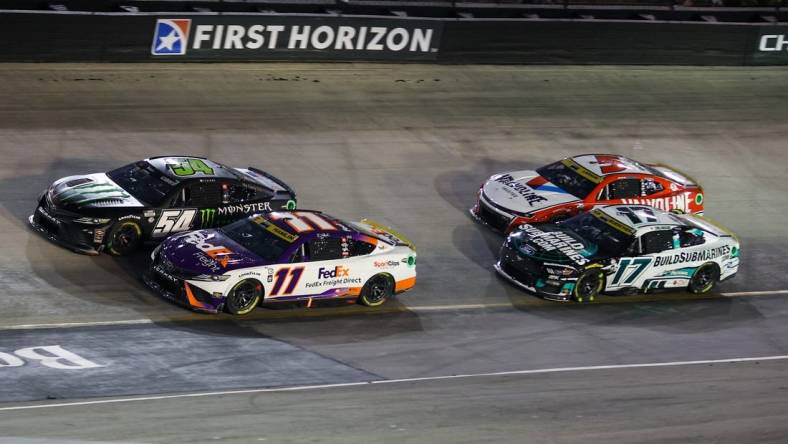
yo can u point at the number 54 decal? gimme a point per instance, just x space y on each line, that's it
635 266
171 221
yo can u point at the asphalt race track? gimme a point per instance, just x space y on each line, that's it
407 146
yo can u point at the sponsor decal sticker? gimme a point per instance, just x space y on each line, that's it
332 277
257 207
44 213
270 227
328 273
581 170
207 216
385 264
556 240
207 262
679 201
695 256
521 189
599 214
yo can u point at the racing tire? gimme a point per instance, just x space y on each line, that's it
704 279
377 290
124 238
588 285
244 297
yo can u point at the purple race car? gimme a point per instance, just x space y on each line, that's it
282 256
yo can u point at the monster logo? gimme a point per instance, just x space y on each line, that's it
207 217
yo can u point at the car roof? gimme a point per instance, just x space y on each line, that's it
634 218
298 222
166 165
619 164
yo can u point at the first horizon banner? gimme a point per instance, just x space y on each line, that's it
263 37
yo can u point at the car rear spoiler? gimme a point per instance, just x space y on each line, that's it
278 181
676 175
396 236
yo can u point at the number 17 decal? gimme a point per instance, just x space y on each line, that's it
281 275
639 264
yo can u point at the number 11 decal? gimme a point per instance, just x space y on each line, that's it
282 275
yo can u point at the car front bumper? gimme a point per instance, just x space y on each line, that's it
65 233
560 290
166 282
494 218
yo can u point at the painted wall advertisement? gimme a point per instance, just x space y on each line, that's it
263 37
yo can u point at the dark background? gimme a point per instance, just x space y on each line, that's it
37 37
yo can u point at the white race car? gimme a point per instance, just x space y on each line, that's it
283 256
618 249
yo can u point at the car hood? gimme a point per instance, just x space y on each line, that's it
207 252
524 192
90 191
549 243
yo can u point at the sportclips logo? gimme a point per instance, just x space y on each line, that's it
173 37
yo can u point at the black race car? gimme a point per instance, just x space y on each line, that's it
150 199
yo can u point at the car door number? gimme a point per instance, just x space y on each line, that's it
171 221
294 273
637 265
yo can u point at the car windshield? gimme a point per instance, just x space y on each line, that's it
260 236
567 179
610 241
143 181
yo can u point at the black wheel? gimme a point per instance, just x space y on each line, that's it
588 286
704 278
377 289
243 297
124 238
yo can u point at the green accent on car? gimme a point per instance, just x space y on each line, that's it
540 283
291 204
735 252
190 167
92 192
568 287
698 199
411 261
678 273
207 217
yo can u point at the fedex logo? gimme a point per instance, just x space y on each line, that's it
171 37
338 271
